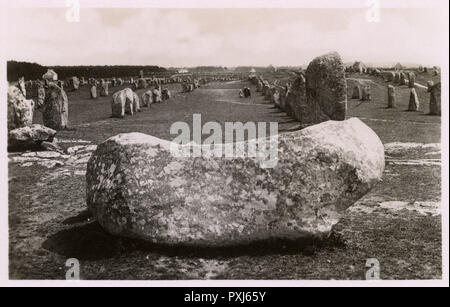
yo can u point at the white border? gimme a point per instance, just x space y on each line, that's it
4 281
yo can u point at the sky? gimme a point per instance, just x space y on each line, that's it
223 37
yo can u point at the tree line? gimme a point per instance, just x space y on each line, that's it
33 71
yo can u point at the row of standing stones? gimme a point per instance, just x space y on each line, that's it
52 98
137 188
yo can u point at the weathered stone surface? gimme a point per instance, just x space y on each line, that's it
30 136
413 101
326 89
391 96
56 108
435 99
20 110
137 188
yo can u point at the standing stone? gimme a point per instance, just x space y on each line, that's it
142 83
276 97
296 101
412 80
94 92
20 110
135 187
104 89
40 95
413 101
326 89
403 79
365 93
356 94
56 108
391 96
435 99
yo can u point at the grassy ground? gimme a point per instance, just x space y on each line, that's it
49 222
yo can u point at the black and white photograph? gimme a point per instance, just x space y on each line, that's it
287 142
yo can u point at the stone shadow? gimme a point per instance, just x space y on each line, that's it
89 241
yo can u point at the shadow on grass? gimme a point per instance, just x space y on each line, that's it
90 242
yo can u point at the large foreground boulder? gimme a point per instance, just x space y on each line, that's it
30 137
56 108
137 188
20 110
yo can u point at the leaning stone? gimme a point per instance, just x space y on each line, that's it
137 188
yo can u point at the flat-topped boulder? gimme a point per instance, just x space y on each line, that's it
137 188
30 136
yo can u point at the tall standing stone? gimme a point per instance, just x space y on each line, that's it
435 99
413 101
326 89
391 96
56 108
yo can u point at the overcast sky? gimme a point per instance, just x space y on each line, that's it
228 37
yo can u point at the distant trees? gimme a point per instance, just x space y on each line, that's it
32 71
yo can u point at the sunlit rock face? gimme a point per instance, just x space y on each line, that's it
136 188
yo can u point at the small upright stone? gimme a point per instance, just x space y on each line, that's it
391 96
356 94
365 93
435 99
413 101
104 88
412 80
93 92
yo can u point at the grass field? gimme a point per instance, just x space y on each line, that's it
398 222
